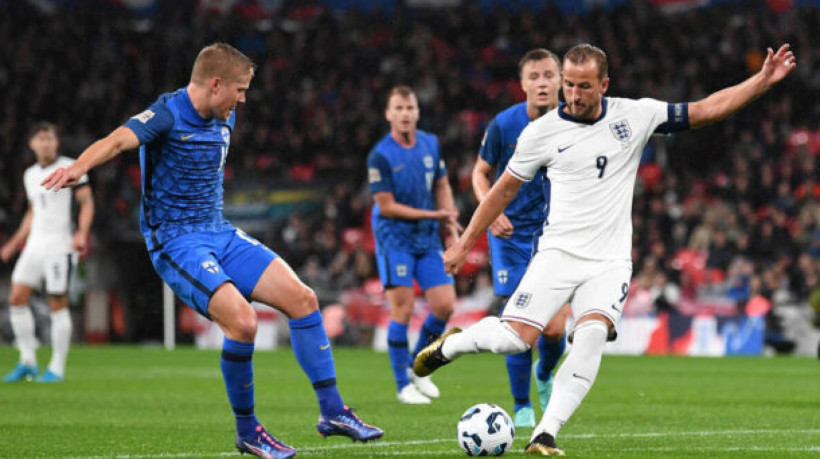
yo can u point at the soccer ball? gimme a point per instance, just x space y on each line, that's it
485 430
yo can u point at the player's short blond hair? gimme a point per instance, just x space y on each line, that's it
401 90
579 54
220 60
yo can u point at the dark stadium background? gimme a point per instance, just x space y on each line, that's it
729 212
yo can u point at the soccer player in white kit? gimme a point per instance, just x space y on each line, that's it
50 256
590 148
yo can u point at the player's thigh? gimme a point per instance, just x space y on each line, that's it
441 299
508 263
232 312
396 268
603 294
58 270
188 264
542 292
280 288
557 326
401 300
28 275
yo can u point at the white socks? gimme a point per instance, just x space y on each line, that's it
60 340
22 323
489 334
575 377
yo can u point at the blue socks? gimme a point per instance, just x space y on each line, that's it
399 353
550 352
518 370
431 329
312 350
237 371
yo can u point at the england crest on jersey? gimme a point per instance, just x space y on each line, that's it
621 131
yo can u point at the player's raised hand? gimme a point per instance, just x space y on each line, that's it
502 227
61 178
778 64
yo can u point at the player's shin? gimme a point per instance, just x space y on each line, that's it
237 371
60 340
22 324
575 377
489 334
312 350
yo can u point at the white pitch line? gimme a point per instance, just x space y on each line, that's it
367 449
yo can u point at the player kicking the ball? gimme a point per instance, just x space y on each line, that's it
590 147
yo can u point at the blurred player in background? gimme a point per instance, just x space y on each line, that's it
591 147
50 256
412 195
212 266
511 234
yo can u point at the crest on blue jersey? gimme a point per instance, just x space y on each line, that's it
210 266
428 162
226 135
621 131
503 276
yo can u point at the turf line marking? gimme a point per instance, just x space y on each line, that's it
367 449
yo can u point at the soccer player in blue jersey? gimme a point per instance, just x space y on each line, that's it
511 234
412 195
212 266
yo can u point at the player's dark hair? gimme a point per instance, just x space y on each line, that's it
401 90
579 54
41 126
537 55
220 60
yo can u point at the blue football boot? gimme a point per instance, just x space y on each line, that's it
348 424
262 444
48 377
21 373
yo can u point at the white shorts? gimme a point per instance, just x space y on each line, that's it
33 268
555 277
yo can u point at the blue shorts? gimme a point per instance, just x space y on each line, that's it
398 269
195 264
508 260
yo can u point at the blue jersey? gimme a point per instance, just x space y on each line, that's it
528 209
410 174
182 156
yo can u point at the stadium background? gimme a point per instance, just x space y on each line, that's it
726 218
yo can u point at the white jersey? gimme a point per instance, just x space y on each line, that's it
591 167
51 229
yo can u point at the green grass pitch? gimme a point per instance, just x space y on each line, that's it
130 403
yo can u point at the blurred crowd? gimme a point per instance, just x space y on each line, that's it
722 215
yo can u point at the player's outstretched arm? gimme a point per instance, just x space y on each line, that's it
728 101
488 210
85 199
14 242
501 227
97 153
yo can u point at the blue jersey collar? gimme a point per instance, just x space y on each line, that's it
569 117
188 106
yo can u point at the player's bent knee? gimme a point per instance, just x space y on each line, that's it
499 337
